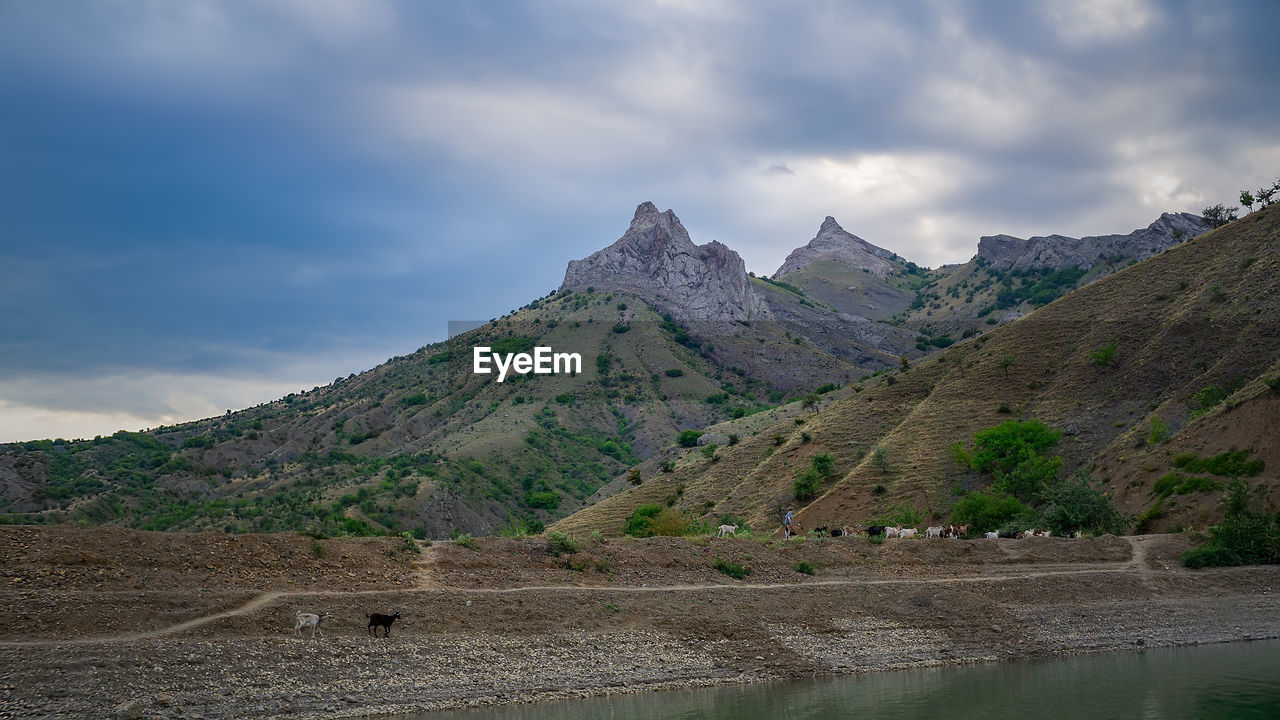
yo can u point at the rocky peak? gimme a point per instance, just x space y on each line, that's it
656 260
1005 252
834 243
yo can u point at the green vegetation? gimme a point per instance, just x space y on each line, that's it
560 544
1159 433
688 438
674 372
1228 464
465 540
806 568
1104 355
655 519
984 512
820 469
732 569
1176 483
1025 491
1245 536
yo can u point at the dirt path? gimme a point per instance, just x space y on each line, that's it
260 601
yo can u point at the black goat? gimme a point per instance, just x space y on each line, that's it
377 620
874 530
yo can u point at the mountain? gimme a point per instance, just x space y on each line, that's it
833 243
673 336
1163 378
1057 252
656 260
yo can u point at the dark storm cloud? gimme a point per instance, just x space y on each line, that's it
229 189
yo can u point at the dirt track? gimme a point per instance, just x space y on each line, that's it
510 622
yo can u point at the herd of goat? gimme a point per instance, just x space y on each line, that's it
890 531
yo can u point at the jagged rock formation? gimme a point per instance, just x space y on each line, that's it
834 243
1005 252
656 260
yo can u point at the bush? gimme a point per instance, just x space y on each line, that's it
655 519
984 512
1229 464
560 544
1105 354
414 399
806 486
688 438
466 541
545 499
732 569
1076 505
806 568
1244 537
674 372
1012 452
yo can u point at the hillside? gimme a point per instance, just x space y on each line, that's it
422 443
673 336
1150 373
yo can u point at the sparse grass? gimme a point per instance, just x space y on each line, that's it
732 569
465 540
806 568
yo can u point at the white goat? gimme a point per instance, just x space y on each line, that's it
1028 533
993 535
909 532
313 620
933 532
728 530
892 532
1044 533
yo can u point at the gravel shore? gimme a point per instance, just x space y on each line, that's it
496 642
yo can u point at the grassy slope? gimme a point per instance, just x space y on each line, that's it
1206 313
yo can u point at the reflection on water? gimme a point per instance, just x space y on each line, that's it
1238 680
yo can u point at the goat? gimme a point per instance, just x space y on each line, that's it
311 619
1028 533
377 620
933 532
909 532
1044 533
821 529
993 535
962 530
874 530
728 530
892 531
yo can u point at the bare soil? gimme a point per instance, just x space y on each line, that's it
114 623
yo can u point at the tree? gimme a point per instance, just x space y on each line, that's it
1012 452
1005 364
1218 215
1266 194
1246 199
810 400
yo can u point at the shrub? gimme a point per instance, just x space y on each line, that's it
984 512
688 438
1078 505
199 441
1159 432
465 540
732 569
414 399
674 372
1230 464
1244 537
621 328
560 544
806 486
806 568
823 463
1104 355
655 519
1012 452
545 499
633 477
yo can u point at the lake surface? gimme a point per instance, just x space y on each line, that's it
1234 680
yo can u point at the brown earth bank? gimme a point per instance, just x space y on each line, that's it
114 623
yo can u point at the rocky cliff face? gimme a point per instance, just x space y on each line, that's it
656 260
833 243
1005 252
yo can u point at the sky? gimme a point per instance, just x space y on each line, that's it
208 205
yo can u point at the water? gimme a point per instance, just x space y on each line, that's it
1237 680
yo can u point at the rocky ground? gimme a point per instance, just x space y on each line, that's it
111 623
